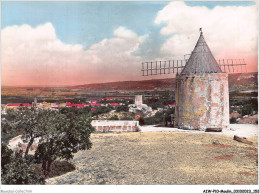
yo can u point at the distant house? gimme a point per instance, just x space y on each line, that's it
13 106
55 105
114 104
26 104
18 104
106 98
95 104
170 105
68 103
77 105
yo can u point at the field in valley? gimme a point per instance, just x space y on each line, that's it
169 158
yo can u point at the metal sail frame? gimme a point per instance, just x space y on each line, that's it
176 66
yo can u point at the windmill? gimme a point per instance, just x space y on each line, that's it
176 66
202 96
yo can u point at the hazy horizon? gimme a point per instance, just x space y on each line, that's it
148 78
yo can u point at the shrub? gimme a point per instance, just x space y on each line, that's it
101 110
127 116
247 109
233 120
123 108
114 117
15 170
141 121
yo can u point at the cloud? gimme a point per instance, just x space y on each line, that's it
230 31
35 56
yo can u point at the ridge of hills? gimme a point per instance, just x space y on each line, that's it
237 81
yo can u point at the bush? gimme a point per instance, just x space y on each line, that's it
123 108
15 170
114 117
101 110
247 109
127 117
141 121
158 118
233 120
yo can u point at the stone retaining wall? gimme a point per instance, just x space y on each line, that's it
115 126
14 142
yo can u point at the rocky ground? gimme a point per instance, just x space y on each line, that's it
170 158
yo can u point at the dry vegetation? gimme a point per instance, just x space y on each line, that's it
163 158
35 92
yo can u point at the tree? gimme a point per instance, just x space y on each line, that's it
15 170
65 136
60 135
101 110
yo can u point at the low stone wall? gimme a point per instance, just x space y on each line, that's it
115 126
14 143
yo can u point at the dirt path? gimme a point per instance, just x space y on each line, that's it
163 158
241 130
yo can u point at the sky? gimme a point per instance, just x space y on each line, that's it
74 43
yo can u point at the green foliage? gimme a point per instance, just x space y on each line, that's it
244 106
233 120
159 117
123 108
63 136
101 110
14 169
156 119
61 133
72 111
127 117
114 117
8 130
6 156
247 109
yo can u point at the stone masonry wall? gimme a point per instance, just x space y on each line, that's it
202 101
115 126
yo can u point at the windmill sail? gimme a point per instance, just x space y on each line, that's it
177 66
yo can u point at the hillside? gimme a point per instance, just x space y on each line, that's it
130 85
236 81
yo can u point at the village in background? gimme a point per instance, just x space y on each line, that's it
158 94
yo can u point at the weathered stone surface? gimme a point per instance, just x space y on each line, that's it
202 101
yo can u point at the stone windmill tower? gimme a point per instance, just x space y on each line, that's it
202 96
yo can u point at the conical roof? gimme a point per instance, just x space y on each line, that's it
201 59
